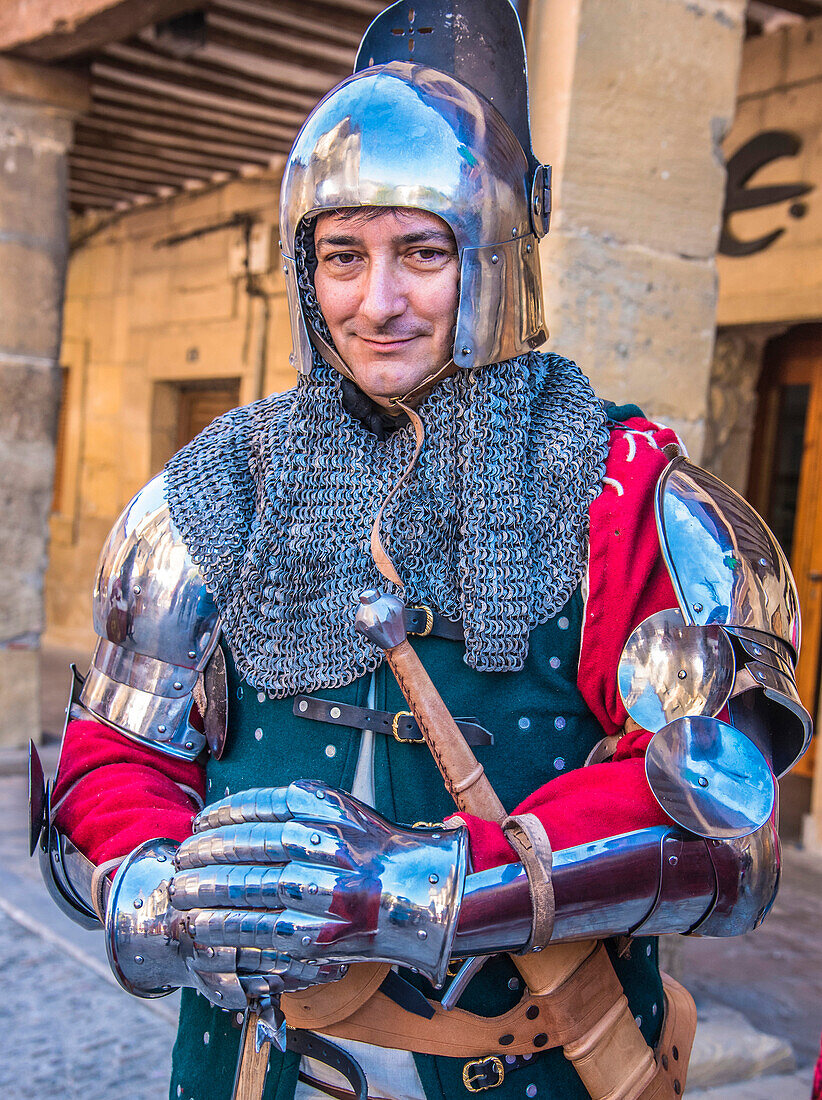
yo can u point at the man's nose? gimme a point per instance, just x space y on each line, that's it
383 298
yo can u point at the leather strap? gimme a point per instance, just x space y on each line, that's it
331 1090
527 836
314 1046
424 621
401 724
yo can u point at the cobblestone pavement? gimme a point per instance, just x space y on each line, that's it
68 1033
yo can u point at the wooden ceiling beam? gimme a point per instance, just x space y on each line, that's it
104 163
116 191
260 38
121 159
160 104
228 150
165 123
81 200
305 18
53 30
90 178
193 82
96 138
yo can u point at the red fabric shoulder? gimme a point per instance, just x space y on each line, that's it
117 793
627 578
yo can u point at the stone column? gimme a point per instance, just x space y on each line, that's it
630 100
36 108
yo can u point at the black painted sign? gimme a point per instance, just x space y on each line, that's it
762 149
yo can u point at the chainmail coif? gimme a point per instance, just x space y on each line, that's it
276 501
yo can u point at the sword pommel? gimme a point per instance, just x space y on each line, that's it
380 617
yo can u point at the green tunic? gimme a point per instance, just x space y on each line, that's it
542 727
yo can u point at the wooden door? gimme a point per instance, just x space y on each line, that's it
202 402
786 478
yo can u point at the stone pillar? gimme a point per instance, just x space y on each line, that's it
630 100
36 108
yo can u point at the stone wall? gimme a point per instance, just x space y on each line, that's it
630 101
141 315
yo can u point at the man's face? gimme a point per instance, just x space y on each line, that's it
388 286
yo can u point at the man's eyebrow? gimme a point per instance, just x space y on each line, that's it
424 236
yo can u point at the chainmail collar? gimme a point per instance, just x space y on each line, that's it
275 502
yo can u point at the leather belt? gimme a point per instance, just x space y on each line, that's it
307 1043
333 1090
423 621
401 724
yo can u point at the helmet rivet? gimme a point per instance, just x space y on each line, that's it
514 232
703 782
192 654
285 269
466 350
528 248
137 590
495 258
161 729
189 744
697 607
177 685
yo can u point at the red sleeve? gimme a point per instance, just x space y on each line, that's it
627 581
116 794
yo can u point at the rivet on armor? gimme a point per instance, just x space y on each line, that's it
524 723
161 859
673 860
466 350
210 953
260 696
335 712
315 838
703 782
682 674
138 959
559 723
305 941
258 733
531 1091
697 607
320 794
532 1012
161 729
528 247
559 763
177 685
313 888
137 590
562 622
495 258
515 232
510 1059
763 561
303 707
172 890
540 1040
513 983
554 662
433 879
422 934
138 903
192 654
218 994
189 744
330 750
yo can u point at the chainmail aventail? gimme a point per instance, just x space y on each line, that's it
276 500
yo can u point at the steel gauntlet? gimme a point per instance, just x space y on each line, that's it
282 888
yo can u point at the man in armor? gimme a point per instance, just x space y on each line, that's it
619 627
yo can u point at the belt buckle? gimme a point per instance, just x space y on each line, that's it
395 728
429 620
474 1074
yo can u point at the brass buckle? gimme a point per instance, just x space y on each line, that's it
429 620
395 728
474 1071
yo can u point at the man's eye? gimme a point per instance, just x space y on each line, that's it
342 258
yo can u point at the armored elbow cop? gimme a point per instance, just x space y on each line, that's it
158 629
715 678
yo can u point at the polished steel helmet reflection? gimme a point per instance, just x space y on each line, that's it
404 134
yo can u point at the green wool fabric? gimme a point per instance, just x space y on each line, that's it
542 727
